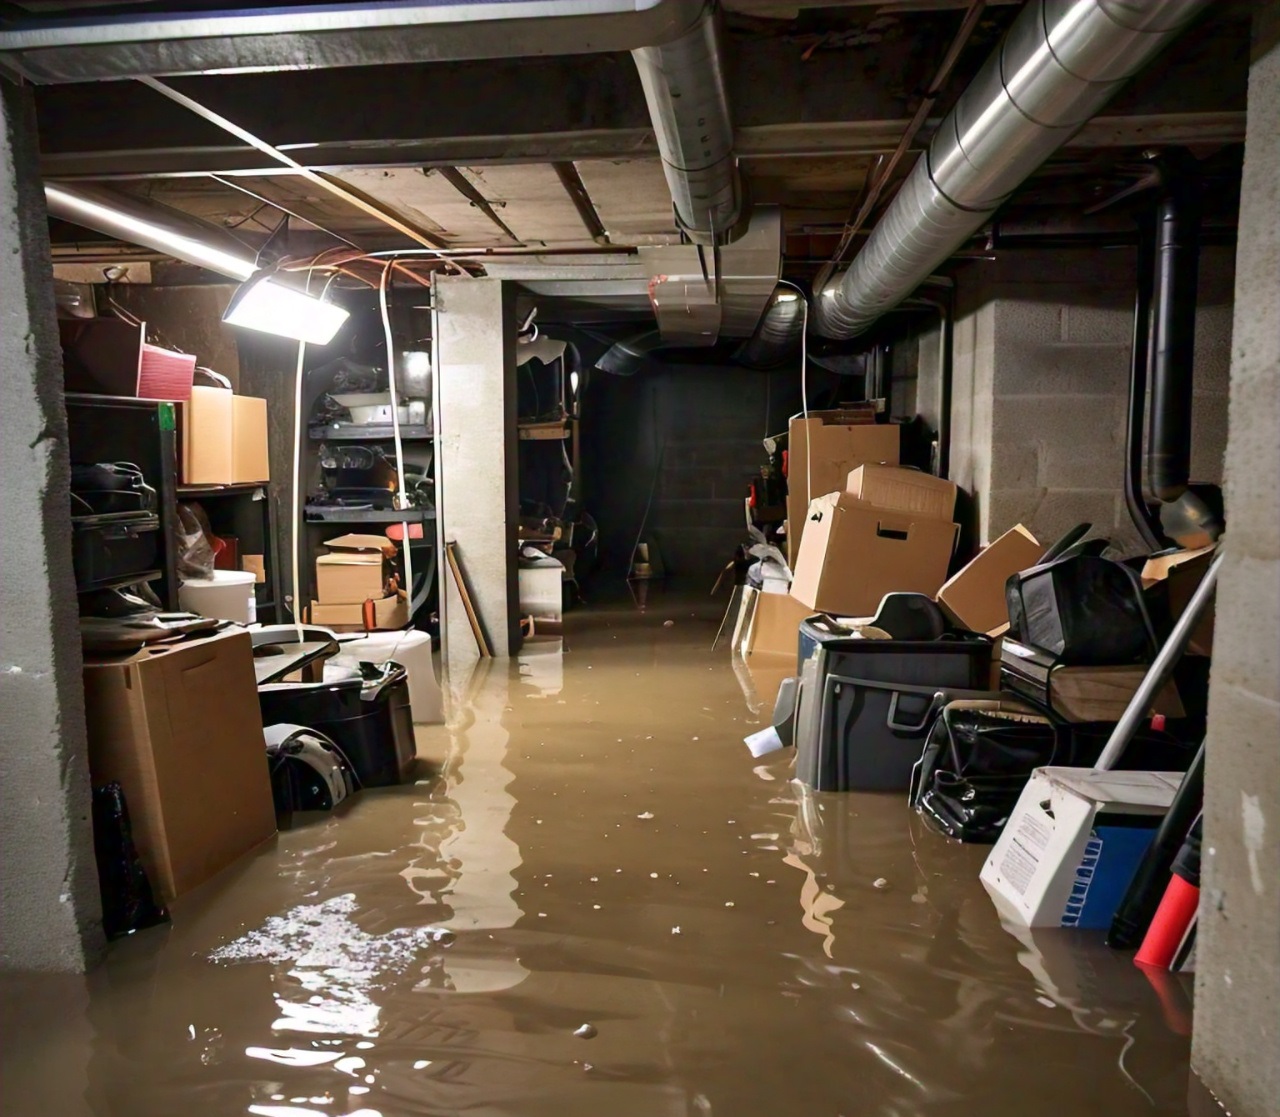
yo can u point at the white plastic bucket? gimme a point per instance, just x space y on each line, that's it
412 650
228 595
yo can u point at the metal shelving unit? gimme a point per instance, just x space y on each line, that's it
244 511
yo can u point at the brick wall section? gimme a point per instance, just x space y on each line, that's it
1040 388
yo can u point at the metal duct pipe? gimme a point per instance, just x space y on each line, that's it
137 221
777 337
1061 61
684 87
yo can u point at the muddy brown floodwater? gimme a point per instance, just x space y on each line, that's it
601 904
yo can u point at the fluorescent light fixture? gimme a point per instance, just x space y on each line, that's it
270 307
786 297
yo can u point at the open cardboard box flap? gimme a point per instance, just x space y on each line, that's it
974 595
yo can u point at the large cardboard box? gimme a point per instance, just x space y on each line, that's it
249 457
1183 571
1103 693
854 553
775 626
904 490
178 727
1072 844
388 613
974 595
822 450
349 577
223 438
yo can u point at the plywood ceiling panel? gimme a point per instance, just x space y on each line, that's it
632 199
532 201
429 201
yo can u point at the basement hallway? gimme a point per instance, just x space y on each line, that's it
600 904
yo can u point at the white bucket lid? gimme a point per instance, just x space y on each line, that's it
223 578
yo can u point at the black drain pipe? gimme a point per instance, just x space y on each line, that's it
1173 327
1139 511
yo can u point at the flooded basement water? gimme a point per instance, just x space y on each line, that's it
601 905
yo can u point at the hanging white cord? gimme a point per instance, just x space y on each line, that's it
804 389
403 500
296 533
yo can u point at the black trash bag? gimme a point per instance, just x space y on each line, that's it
128 903
975 764
1084 610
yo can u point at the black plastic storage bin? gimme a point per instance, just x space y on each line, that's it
106 550
369 719
866 706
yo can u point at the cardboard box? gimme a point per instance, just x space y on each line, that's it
1183 571
388 613
255 565
249 457
1104 693
223 438
178 727
823 450
904 490
1073 843
349 577
855 553
206 455
974 595
775 626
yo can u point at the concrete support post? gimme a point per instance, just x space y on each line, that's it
1236 1048
477 496
50 919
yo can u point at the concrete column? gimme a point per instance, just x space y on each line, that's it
1236 1047
477 494
50 919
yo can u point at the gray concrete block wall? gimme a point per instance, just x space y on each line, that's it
1236 1041
1040 387
50 918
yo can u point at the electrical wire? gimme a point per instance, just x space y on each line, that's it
403 500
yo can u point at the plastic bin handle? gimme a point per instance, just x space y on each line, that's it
935 704
939 697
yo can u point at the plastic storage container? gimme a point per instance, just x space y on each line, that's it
369 719
106 549
227 595
866 706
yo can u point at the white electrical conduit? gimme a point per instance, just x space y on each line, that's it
403 498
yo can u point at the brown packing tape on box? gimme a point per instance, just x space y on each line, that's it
822 450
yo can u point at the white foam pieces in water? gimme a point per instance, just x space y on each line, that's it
331 957
324 936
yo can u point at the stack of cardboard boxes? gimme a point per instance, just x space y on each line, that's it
353 593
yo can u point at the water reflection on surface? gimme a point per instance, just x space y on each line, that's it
598 848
